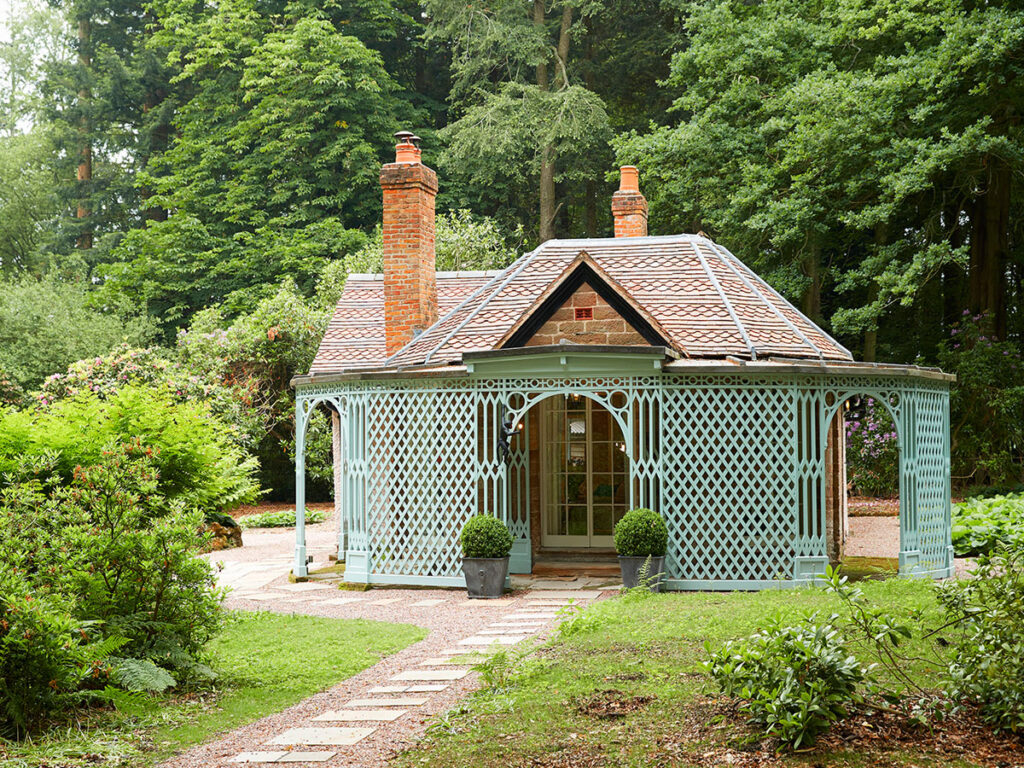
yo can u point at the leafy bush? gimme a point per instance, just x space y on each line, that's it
982 524
45 325
795 681
872 450
124 366
198 462
283 519
641 532
986 405
987 669
94 564
485 536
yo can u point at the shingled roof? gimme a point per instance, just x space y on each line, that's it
355 335
705 300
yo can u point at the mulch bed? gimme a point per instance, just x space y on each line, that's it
275 506
611 703
873 736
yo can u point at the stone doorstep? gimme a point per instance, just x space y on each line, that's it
494 640
322 737
563 594
282 757
398 701
430 675
359 715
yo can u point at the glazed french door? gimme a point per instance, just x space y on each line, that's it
585 489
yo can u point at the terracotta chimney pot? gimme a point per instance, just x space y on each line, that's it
629 207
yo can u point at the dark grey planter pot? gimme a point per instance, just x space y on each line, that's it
485 576
631 567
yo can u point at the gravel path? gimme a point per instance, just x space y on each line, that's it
873 537
258 576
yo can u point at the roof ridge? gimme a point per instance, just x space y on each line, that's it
764 283
525 259
718 252
728 304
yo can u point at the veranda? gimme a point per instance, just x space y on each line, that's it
735 455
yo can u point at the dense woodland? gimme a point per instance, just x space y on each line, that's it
185 185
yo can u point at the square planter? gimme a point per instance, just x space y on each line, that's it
485 576
632 566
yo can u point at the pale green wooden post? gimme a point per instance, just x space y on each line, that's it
301 416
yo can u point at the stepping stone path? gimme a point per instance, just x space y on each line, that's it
408 690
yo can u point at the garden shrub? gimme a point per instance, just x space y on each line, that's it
109 567
485 536
795 681
282 519
125 366
872 451
980 525
641 533
987 669
198 462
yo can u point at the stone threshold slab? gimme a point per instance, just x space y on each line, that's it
323 737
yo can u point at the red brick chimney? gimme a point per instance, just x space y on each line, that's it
629 207
410 285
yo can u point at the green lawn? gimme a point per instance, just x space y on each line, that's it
266 662
648 652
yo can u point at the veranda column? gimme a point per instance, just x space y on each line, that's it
299 568
339 490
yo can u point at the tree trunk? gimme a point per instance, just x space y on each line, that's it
990 226
85 151
811 299
547 194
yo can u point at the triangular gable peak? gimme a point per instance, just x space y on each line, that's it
585 305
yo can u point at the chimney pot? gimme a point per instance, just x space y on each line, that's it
629 207
629 179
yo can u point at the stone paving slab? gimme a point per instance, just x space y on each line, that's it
306 586
264 596
325 737
529 615
385 601
342 601
360 715
511 630
519 626
396 701
426 688
437 661
493 640
282 757
428 675
576 594
426 603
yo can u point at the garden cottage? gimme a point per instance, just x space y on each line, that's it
590 377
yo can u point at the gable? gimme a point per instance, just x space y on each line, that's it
584 305
605 325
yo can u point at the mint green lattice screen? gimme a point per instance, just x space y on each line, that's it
735 464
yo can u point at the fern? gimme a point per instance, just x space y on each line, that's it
142 675
132 703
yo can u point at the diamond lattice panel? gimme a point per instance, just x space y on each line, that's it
727 486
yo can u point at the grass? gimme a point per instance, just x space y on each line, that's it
266 663
530 715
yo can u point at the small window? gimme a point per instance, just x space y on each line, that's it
584 313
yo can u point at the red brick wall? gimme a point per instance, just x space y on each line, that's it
606 327
629 210
410 285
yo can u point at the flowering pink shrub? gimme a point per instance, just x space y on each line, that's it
872 450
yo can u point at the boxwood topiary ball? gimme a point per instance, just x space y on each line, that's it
485 536
641 533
